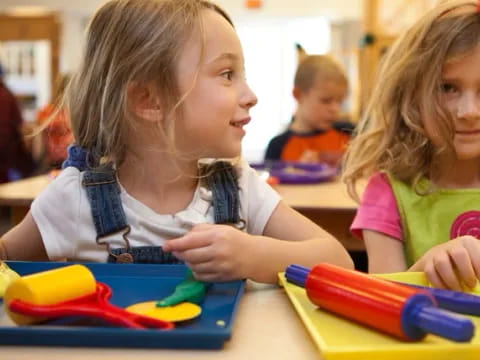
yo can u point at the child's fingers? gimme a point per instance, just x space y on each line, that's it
203 227
461 261
473 249
445 270
432 276
201 268
187 242
195 256
209 271
208 276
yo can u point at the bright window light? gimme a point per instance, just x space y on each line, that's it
271 62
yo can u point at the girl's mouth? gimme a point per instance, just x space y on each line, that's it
240 123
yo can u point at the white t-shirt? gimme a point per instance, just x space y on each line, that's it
63 216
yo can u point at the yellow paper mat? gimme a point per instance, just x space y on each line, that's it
340 339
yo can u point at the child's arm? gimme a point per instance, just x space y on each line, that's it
221 253
385 253
452 264
23 242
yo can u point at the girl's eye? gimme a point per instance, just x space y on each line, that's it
228 74
448 88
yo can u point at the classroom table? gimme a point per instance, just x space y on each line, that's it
327 204
266 326
18 195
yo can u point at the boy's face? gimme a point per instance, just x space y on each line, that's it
319 106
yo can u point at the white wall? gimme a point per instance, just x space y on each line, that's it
334 9
270 64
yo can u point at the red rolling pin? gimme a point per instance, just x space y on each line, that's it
398 310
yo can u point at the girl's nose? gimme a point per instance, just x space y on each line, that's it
249 99
468 106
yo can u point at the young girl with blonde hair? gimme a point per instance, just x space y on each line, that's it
419 142
161 87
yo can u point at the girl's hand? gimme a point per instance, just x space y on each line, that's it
452 264
215 252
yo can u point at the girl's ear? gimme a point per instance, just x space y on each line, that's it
144 102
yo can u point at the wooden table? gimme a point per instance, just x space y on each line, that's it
265 327
327 204
18 195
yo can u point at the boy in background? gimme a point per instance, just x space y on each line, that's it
315 134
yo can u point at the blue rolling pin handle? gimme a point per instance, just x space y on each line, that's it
420 317
297 274
455 301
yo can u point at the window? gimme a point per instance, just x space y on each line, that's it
270 61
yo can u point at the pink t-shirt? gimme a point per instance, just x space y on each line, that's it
378 209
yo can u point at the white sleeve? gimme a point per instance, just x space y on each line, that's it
56 212
258 200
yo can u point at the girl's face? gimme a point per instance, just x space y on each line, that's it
216 108
461 96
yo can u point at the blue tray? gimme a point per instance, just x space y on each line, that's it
133 283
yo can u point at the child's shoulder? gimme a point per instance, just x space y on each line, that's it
67 180
379 179
62 195
345 127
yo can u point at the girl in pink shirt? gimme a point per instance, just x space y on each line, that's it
419 144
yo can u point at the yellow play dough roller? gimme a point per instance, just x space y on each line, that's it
69 291
7 276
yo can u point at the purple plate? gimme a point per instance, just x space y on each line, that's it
297 173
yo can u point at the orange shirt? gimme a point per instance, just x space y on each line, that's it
290 146
329 141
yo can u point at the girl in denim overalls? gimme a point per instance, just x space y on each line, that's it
162 88
420 144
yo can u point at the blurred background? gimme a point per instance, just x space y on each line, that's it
42 39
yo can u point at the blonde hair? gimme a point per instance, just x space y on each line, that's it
318 67
129 42
59 88
391 135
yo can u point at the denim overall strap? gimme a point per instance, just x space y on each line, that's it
103 194
221 178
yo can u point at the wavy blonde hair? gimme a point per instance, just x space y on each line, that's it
130 42
391 135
